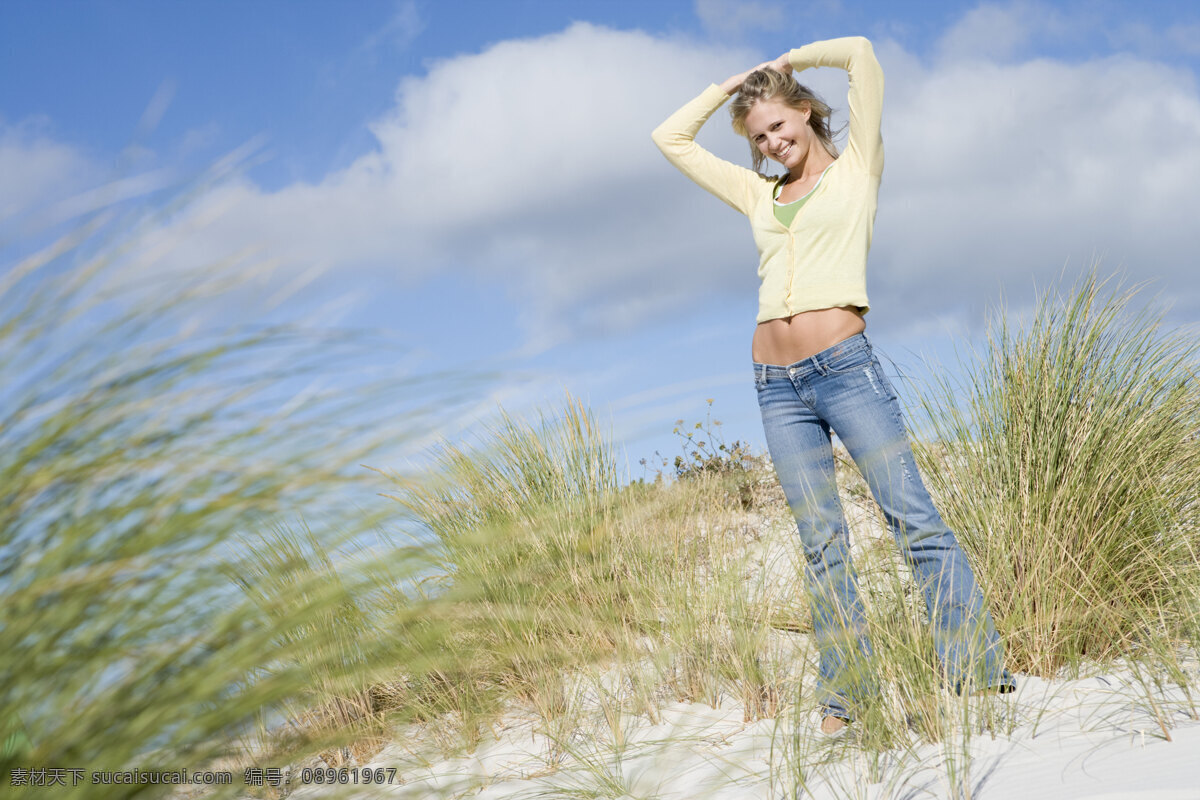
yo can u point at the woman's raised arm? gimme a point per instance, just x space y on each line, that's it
676 138
854 54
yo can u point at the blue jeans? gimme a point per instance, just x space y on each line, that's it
843 389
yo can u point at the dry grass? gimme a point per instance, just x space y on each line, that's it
171 585
1069 470
134 451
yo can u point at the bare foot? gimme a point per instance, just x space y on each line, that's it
831 725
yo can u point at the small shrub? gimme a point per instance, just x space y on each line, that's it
704 453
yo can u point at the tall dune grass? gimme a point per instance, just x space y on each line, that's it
544 566
525 575
135 459
178 576
1069 468
554 593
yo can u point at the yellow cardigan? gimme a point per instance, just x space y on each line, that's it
820 260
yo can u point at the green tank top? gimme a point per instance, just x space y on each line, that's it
786 212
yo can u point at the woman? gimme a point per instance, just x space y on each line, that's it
814 368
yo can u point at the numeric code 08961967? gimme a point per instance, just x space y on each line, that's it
356 775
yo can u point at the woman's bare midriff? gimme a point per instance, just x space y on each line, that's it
791 339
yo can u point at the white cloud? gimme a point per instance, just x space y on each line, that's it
530 164
48 182
1142 38
37 169
1001 32
735 17
988 32
1185 37
1000 172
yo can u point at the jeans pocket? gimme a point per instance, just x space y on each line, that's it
851 360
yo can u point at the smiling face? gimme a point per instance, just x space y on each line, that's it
780 132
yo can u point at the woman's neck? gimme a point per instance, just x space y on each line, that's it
814 163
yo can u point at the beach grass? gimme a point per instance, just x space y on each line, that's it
147 452
1087 477
1067 459
547 563
182 589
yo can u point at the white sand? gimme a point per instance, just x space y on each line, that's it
1094 739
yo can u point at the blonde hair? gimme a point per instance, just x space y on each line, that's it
769 84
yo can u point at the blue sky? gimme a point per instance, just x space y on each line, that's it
477 178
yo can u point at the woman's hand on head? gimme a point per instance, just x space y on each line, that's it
734 83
